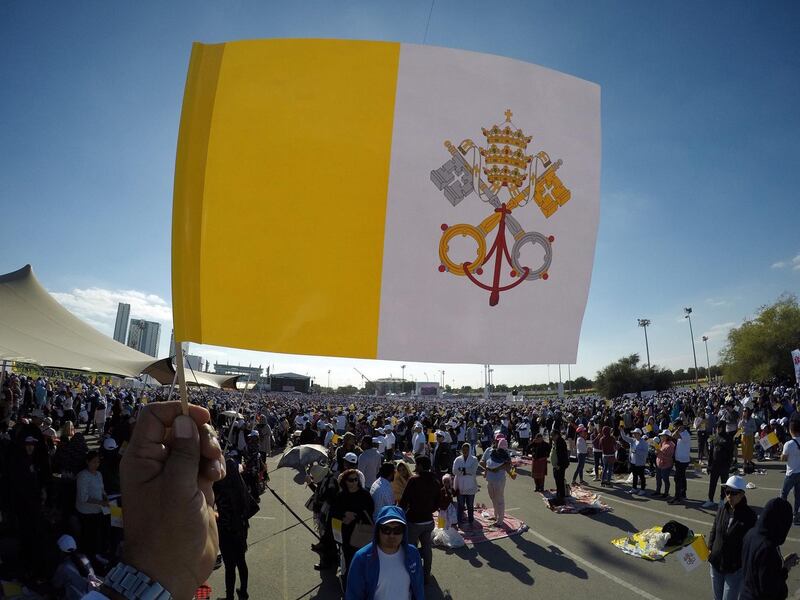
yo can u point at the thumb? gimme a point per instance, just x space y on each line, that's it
183 463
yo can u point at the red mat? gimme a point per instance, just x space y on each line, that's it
484 529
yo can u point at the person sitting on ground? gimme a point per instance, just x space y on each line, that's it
389 568
74 576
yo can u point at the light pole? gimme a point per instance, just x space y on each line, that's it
442 374
403 378
329 379
688 315
708 362
643 323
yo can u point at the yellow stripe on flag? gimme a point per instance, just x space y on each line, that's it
274 135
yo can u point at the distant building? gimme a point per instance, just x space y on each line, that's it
121 326
426 388
144 336
290 382
389 385
172 351
251 373
194 362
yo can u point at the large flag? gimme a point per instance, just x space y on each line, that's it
384 200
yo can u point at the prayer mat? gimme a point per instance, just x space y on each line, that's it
580 501
647 544
484 529
521 461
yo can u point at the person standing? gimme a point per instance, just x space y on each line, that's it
682 460
381 490
664 459
638 457
496 463
764 568
441 458
389 441
559 459
720 458
540 451
388 568
734 519
89 502
233 508
369 461
597 450
791 454
748 426
420 499
608 445
465 469
352 505
581 449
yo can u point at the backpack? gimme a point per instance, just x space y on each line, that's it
677 532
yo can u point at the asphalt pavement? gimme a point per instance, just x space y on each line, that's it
560 556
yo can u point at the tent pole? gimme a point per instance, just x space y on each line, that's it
172 386
179 371
3 375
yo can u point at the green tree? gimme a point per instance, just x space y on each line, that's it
625 377
760 348
581 383
619 378
348 390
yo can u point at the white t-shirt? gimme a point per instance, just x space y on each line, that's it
683 447
394 582
580 446
792 454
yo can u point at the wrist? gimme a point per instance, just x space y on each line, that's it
175 581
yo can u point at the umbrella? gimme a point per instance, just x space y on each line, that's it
232 414
299 457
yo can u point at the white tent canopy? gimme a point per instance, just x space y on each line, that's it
35 328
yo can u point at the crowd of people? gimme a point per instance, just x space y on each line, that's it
390 465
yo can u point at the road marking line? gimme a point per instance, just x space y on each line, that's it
271 518
594 567
669 514
705 482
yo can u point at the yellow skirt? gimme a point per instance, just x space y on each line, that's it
747 447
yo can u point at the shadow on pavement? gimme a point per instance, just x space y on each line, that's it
496 558
434 592
611 519
550 558
328 588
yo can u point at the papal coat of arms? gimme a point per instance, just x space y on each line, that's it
507 169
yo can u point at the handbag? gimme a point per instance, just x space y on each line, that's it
253 507
363 534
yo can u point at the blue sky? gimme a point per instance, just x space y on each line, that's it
700 154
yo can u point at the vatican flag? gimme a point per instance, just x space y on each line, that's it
384 200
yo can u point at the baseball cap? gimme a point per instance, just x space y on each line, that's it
66 543
637 430
351 457
109 444
31 440
665 432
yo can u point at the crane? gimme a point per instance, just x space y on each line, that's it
365 378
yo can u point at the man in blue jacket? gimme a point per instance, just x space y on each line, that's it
388 567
